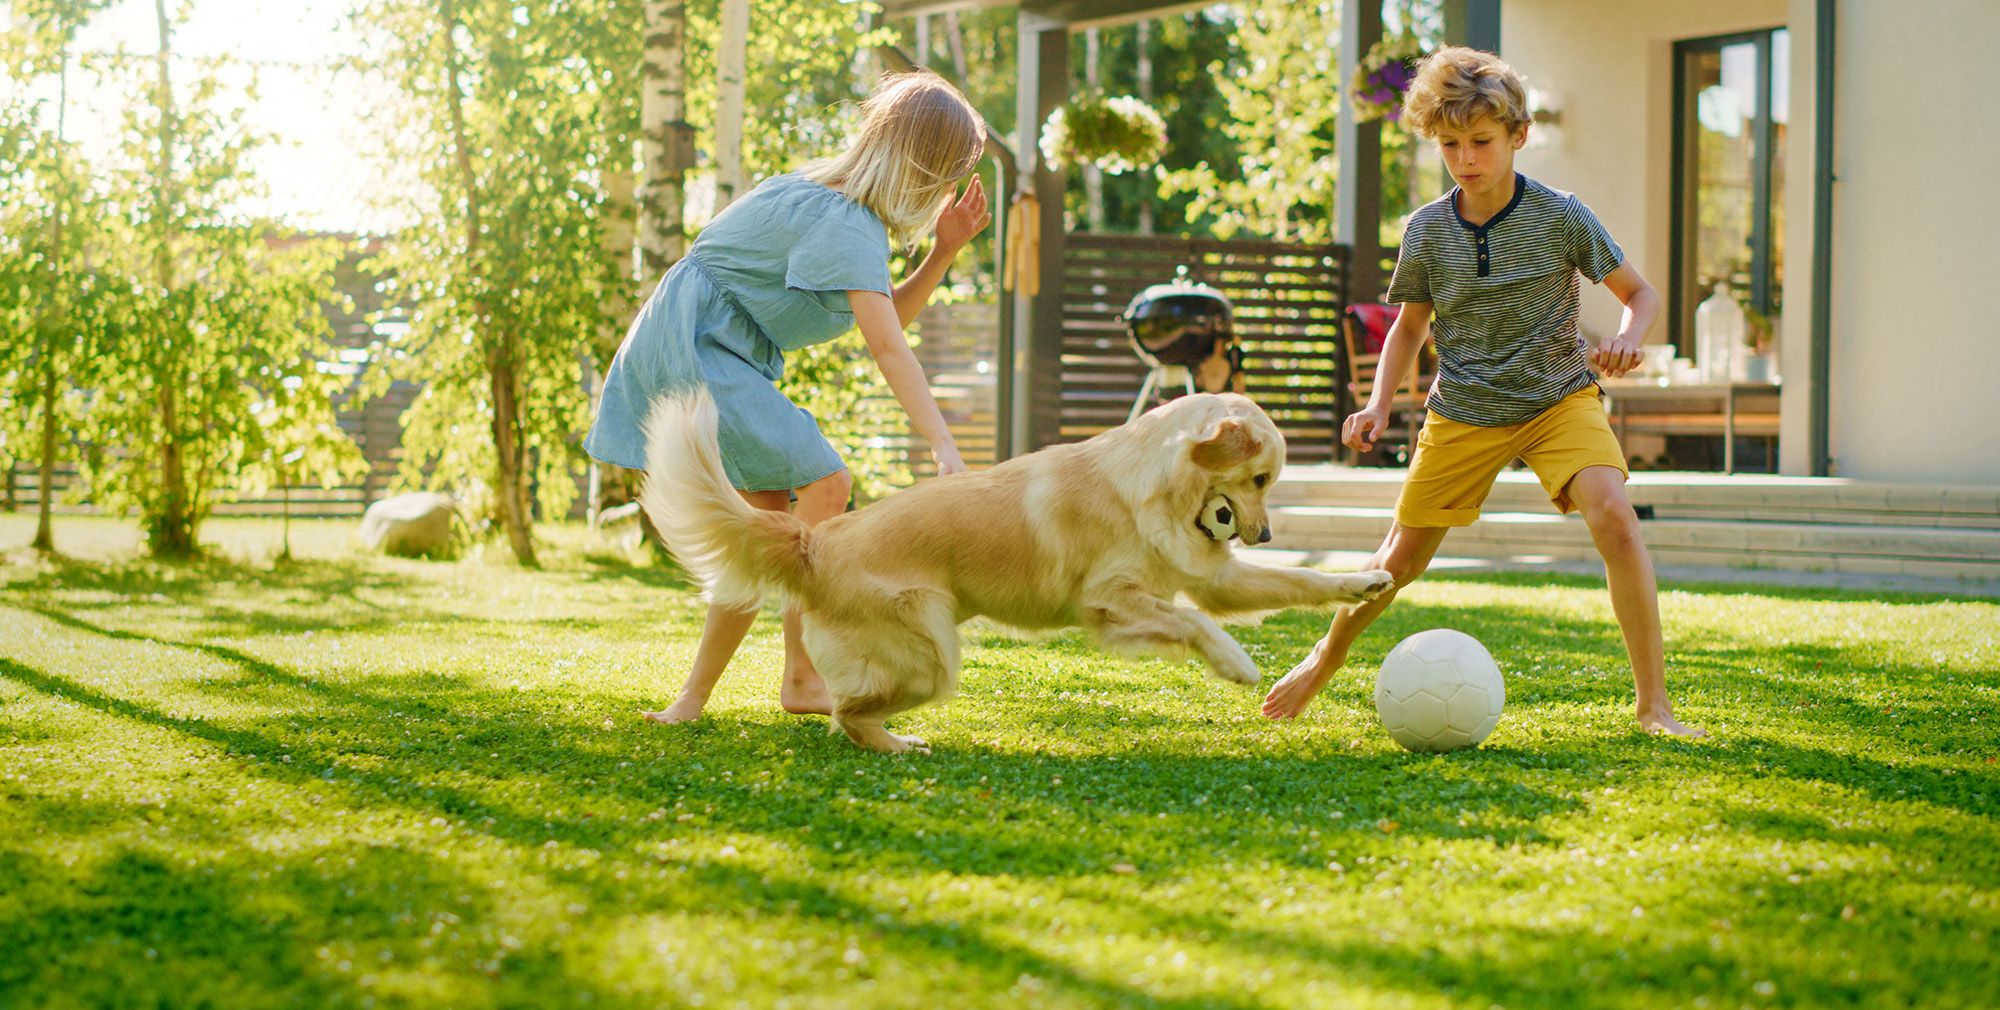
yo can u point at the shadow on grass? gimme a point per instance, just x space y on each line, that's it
325 923
499 769
243 929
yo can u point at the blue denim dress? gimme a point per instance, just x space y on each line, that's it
770 274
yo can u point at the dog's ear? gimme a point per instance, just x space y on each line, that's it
1230 442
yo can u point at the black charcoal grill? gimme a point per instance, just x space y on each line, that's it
1174 327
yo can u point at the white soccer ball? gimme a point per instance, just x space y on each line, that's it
1439 690
1217 519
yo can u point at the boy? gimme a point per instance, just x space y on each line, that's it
1496 260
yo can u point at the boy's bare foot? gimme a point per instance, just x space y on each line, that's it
1295 690
1664 722
682 710
804 694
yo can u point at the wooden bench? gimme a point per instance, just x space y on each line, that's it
1728 410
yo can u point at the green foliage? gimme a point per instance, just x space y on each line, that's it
801 83
56 308
421 784
1281 92
215 376
549 99
182 339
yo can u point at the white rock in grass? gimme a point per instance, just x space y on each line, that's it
410 525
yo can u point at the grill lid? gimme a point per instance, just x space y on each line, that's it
1177 323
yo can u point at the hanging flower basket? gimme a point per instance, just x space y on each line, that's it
1384 75
1116 134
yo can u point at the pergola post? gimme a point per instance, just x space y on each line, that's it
1358 147
1036 393
1474 23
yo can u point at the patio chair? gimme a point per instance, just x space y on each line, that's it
1363 329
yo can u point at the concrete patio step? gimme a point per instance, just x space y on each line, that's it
1948 535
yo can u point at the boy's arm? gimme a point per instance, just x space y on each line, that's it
875 313
1620 354
1392 370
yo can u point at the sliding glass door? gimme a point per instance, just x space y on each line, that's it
1732 103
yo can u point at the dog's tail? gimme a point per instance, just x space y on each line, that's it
737 551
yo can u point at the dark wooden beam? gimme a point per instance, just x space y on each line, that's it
1474 23
1819 350
1043 73
1074 13
1358 147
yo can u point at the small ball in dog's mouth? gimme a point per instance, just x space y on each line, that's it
1217 518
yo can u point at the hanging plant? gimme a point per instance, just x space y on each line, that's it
1116 134
1384 75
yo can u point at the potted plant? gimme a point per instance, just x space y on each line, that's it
1759 337
1384 74
1116 134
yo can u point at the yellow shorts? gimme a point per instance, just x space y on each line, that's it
1455 464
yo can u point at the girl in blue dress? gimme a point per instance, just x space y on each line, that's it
797 261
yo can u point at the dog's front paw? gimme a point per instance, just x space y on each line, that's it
1373 583
1236 670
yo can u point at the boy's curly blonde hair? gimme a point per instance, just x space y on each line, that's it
918 139
1457 85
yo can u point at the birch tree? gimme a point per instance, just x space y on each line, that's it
51 297
215 373
505 282
729 61
666 149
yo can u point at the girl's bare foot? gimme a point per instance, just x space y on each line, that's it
1295 690
804 694
683 709
1664 722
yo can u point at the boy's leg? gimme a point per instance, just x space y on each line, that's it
1404 554
803 692
1599 493
1450 475
721 632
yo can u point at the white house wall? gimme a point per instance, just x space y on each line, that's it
1915 347
1914 353
1609 69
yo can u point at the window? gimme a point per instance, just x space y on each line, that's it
1732 100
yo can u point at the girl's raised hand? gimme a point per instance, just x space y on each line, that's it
964 218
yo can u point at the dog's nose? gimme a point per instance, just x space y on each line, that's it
1264 535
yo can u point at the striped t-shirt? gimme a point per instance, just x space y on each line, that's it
1506 300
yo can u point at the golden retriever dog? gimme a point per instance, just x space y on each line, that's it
1103 534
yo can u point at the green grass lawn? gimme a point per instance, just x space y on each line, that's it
354 782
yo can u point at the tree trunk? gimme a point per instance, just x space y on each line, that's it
666 146
45 534
1093 177
620 294
956 38
503 382
171 529
1145 73
729 62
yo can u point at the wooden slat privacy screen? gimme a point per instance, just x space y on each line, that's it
1287 299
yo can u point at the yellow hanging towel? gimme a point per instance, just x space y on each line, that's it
1024 246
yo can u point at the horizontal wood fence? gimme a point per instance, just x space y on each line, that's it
1287 299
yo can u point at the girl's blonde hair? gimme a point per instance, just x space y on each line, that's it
1457 85
918 139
